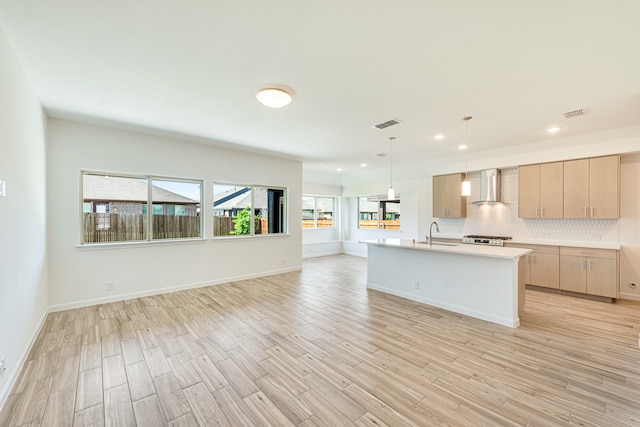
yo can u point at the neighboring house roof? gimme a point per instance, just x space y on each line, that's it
323 204
116 188
240 201
367 206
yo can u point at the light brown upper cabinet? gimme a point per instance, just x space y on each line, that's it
447 201
540 190
592 188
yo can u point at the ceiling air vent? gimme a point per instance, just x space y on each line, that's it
575 113
388 123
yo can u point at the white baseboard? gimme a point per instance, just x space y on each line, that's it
123 297
512 323
631 297
319 254
15 372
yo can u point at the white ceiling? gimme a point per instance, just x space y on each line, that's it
193 67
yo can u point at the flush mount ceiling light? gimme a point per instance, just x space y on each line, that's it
553 129
274 97
465 189
439 137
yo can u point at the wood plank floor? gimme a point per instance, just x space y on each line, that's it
316 348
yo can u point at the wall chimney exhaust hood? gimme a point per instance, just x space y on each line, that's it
489 186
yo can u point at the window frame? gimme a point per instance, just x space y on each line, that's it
334 199
283 216
149 214
379 200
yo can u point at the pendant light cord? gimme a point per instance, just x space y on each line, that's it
466 137
391 138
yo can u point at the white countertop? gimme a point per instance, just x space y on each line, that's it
548 242
474 250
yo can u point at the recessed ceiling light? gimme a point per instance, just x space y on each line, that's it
339 169
273 97
439 137
363 165
553 129
462 147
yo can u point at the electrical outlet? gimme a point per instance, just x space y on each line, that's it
3 365
416 284
110 286
596 236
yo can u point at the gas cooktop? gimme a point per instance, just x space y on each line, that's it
475 239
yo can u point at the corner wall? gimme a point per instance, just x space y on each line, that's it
78 275
23 258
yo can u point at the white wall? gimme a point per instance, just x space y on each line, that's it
23 260
630 226
78 275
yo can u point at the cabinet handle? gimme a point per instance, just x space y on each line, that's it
583 264
537 212
590 265
528 259
533 259
593 213
585 211
542 212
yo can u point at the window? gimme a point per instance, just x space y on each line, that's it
378 212
248 210
318 211
115 208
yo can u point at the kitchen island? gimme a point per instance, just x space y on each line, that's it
479 281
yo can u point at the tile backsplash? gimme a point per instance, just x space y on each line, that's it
501 219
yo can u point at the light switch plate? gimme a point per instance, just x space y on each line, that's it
2 189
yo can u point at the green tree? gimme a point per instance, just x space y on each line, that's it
242 222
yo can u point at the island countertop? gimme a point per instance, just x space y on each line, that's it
485 282
461 249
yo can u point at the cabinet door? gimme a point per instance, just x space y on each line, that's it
527 268
439 196
551 190
528 191
545 270
573 273
456 204
602 277
576 188
603 187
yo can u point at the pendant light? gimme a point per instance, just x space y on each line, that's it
466 184
391 193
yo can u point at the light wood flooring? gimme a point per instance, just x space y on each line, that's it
316 348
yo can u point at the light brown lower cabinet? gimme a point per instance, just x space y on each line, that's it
589 271
542 266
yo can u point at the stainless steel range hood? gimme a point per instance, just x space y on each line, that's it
489 186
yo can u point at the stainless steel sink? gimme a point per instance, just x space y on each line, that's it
424 242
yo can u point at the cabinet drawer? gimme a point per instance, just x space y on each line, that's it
541 249
587 252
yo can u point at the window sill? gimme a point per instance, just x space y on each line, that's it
256 236
138 244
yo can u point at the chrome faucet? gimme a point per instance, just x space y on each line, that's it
430 228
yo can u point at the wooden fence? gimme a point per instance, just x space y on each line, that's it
110 227
322 223
391 224
223 226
